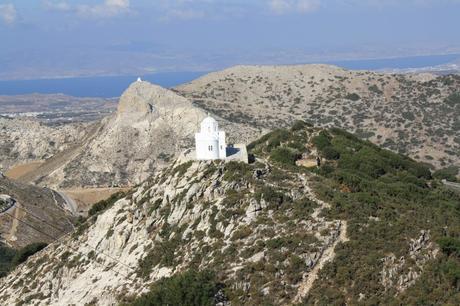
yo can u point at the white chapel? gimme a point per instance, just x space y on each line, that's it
210 142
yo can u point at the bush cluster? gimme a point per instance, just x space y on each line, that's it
189 288
105 204
10 258
369 183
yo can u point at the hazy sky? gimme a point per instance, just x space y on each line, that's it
56 37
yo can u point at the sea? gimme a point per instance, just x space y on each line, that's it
113 86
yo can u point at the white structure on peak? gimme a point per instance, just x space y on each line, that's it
210 142
139 79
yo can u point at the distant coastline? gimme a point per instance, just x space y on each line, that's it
113 86
100 86
408 62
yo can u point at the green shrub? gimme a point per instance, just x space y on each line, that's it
28 251
353 97
237 170
182 168
330 153
242 232
299 125
449 174
375 89
322 140
272 139
450 246
453 99
10 258
451 270
189 288
408 116
284 156
105 204
6 257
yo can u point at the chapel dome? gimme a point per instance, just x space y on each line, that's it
209 125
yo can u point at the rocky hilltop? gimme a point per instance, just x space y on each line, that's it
150 128
413 114
367 226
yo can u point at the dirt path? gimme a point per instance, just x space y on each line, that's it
451 185
328 254
18 214
60 158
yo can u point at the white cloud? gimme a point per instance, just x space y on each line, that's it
8 13
293 6
192 9
306 6
185 14
57 5
109 8
280 6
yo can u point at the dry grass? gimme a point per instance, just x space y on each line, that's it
18 171
86 197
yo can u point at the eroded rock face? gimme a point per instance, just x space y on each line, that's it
24 140
152 125
6 202
187 215
401 273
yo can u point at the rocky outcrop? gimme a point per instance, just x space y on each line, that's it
151 127
188 215
24 140
6 202
401 273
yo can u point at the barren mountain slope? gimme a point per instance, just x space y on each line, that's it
414 114
41 208
151 127
187 215
24 140
264 231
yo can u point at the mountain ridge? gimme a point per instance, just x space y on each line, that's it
415 114
264 228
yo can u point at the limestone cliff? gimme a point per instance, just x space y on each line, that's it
152 126
24 140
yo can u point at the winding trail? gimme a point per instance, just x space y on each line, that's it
328 254
451 185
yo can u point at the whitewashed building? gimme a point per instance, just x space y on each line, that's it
210 142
